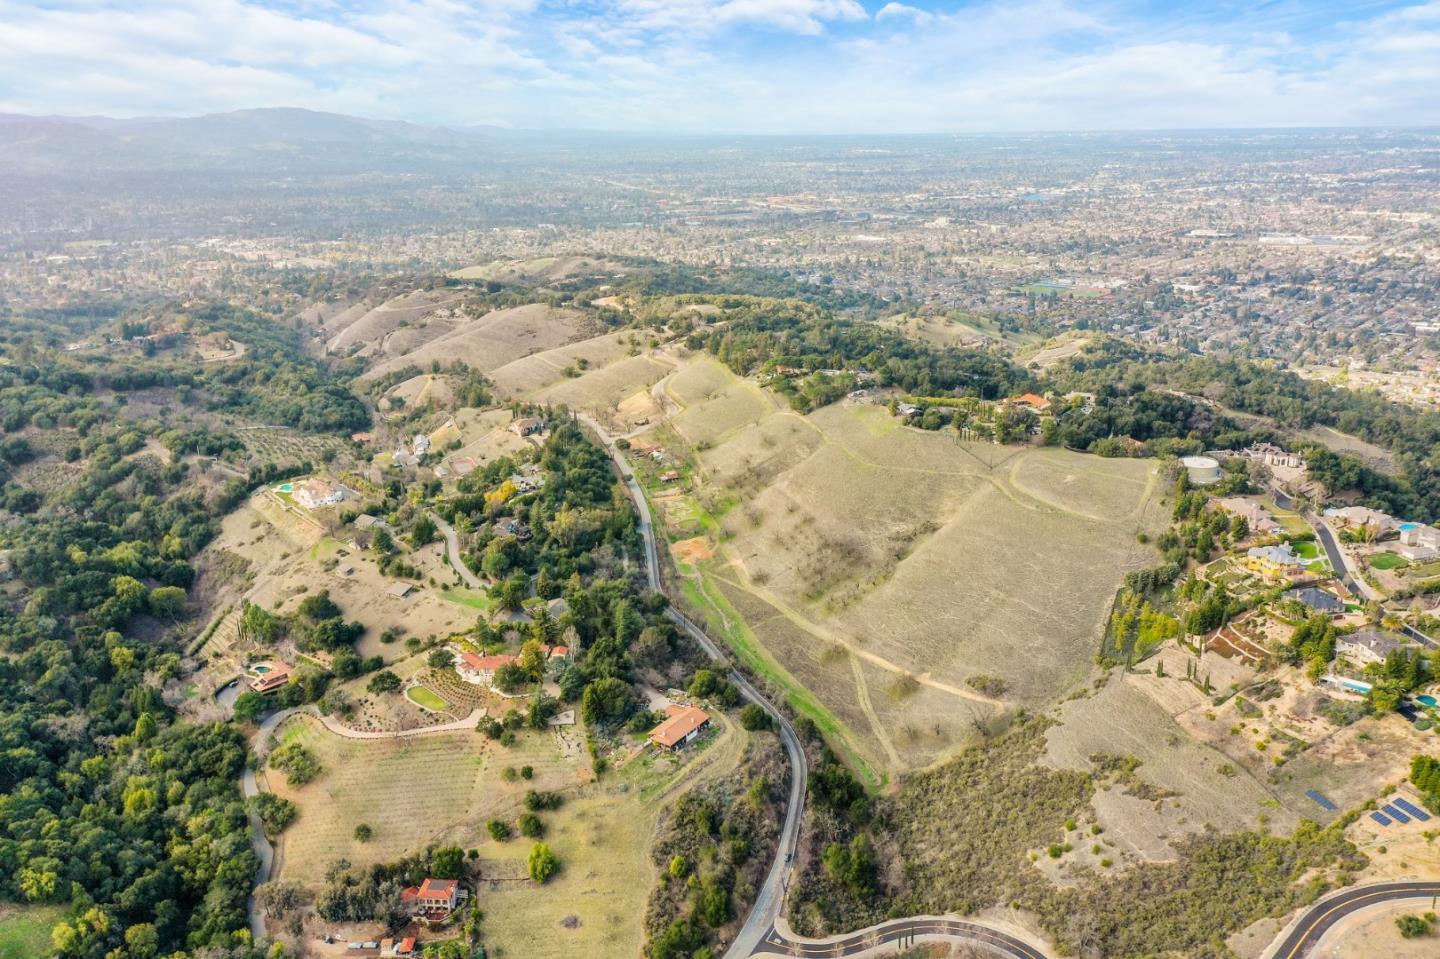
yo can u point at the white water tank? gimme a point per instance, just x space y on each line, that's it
1203 470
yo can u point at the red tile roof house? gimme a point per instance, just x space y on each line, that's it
433 900
1037 403
682 724
276 674
480 670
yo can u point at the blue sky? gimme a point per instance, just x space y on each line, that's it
749 66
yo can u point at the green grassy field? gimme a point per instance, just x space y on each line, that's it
25 930
473 598
1307 549
422 696
1388 561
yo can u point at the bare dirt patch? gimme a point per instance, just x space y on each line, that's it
692 550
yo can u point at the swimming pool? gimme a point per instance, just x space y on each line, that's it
286 487
1429 702
1352 685
262 670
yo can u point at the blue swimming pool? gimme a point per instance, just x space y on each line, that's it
1429 702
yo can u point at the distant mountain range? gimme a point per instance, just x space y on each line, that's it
264 139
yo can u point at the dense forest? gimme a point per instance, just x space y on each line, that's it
107 804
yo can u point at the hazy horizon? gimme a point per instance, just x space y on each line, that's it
140 118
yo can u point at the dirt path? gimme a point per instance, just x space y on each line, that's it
862 695
855 650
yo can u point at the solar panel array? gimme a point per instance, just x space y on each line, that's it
1412 809
1394 813
1380 818
1320 800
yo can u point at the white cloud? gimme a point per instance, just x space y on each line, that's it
724 65
901 11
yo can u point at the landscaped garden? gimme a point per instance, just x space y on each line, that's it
427 698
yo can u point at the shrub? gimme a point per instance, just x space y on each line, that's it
499 831
275 813
530 826
754 718
543 863
384 682
1412 926
536 801
299 763
363 832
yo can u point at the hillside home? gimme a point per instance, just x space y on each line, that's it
270 675
1272 455
480 670
1352 517
1369 646
510 526
1273 560
526 425
315 493
433 900
1418 542
682 724
1317 600
1032 401
1255 515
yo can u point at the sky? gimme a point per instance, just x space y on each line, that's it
736 66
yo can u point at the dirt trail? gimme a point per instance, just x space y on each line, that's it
862 693
853 648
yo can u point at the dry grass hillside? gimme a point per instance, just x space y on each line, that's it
888 570
495 339
396 325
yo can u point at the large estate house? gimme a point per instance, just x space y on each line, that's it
433 900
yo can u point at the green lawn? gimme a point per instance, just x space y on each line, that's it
474 598
25 930
1388 561
1307 549
425 697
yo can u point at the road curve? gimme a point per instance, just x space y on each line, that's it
452 549
903 931
1305 933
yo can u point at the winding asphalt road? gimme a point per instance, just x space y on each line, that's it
760 924
452 548
1305 934
264 849
903 932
